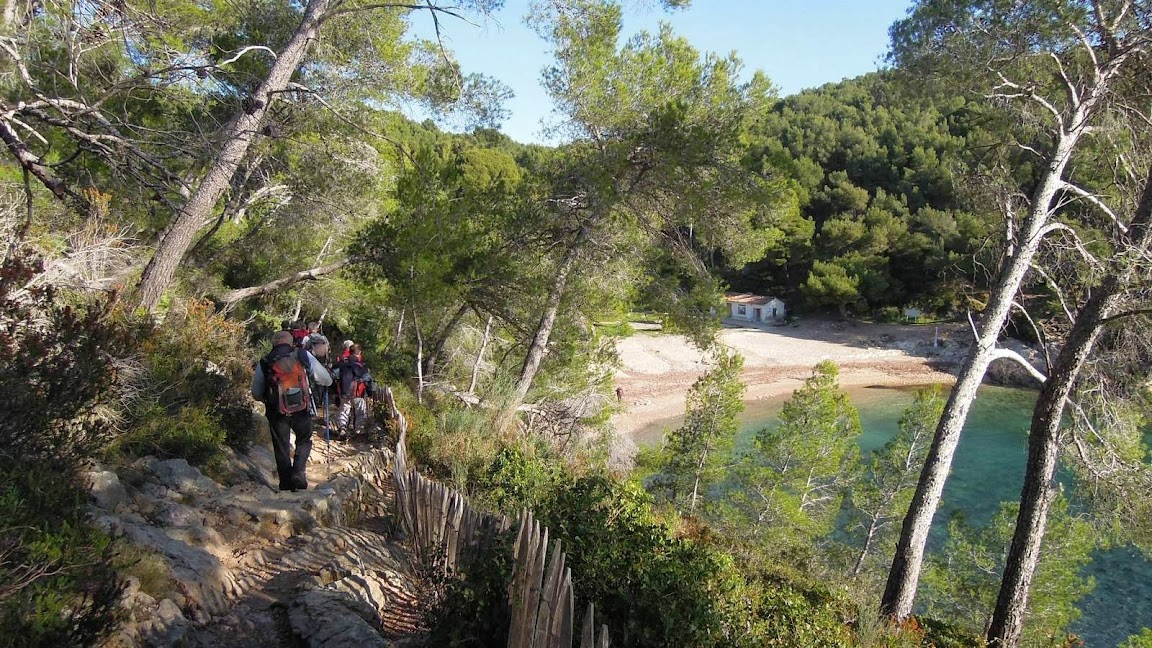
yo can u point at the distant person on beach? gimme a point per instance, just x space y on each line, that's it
284 381
619 394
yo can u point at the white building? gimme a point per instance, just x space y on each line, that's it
754 308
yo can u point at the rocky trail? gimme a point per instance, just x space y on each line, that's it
232 562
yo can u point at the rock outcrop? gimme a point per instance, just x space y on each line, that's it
231 561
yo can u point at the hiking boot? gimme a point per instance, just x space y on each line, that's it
299 482
287 486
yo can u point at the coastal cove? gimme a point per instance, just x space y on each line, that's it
988 469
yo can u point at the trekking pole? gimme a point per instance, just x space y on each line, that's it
327 431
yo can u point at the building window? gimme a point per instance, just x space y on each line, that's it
740 310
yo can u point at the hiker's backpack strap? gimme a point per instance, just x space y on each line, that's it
302 356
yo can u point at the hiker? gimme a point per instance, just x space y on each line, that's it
299 333
619 394
346 350
355 386
317 344
283 380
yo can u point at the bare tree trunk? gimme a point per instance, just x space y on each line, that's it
1068 126
904 575
1044 440
873 527
696 482
32 163
399 330
238 138
419 359
441 340
9 15
539 343
480 355
311 274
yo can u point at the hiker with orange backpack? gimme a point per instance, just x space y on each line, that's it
354 386
284 380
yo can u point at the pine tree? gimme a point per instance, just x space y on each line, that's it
795 479
883 491
698 449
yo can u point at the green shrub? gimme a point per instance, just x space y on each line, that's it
1142 640
946 635
59 375
57 582
652 589
620 329
471 607
192 433
791 609
649 462
193 395
890 314
871 630
517 478
393 366
463 448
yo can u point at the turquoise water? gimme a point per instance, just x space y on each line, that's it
988 468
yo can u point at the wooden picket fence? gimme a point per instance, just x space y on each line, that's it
542 614
443 527
439 520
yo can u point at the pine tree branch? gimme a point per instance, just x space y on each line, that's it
312 274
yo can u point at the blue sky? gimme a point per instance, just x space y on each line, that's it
798 43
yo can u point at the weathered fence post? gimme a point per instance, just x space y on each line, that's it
441 523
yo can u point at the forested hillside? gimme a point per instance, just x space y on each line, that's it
879 166
181 179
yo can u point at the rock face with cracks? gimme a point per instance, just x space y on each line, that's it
232 562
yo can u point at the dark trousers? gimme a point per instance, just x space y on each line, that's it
318 400
291 472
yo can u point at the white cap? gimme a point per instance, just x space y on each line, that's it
347 343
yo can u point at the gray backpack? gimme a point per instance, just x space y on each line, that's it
317 345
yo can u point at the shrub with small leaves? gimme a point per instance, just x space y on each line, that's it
57 582
193 395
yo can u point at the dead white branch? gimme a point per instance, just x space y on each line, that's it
312 274
244 50
1096 202
1009 354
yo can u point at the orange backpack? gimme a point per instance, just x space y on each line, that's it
287 383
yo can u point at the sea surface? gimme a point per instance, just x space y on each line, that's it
988 468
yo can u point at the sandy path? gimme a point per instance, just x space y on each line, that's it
657 369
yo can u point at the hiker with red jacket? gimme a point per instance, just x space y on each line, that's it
299 333
354 386
284 381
